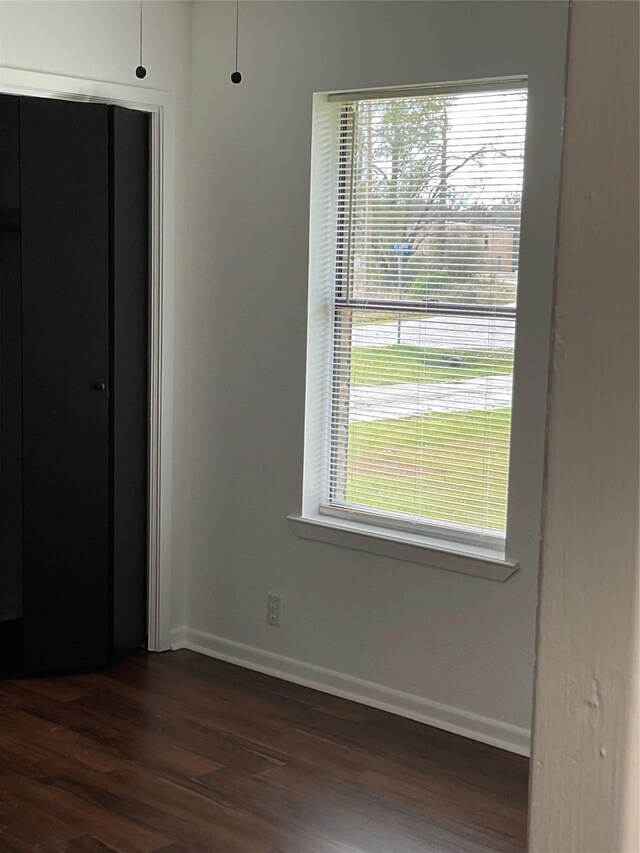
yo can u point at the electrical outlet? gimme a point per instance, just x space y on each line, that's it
273 609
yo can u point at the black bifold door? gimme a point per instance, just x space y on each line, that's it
73 382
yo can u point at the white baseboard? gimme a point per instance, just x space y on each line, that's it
10 609
474 726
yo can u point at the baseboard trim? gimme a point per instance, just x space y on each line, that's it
474 726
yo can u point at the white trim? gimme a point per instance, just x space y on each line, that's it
456 720
161 108
455 536
492 84
402 545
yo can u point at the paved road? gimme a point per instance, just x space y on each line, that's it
408 399
440 332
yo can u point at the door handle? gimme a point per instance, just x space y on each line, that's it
99 386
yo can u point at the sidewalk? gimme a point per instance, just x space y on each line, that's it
409 399
440 332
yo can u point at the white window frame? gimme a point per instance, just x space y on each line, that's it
418 543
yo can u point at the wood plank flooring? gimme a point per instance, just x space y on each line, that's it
177 752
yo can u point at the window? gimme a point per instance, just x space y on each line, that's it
414 275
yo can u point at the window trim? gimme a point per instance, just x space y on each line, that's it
460 536
408 306
490 84
404 546
435 551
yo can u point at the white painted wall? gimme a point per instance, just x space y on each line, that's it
99 40
453 649
585 793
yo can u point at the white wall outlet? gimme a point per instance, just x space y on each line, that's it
273 609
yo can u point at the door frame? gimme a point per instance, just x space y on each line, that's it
160 105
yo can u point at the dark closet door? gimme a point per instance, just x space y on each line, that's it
10 370
130 194
65 299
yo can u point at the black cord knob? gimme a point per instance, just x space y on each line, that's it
141 72
236 77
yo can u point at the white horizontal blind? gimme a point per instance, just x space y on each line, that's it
424 307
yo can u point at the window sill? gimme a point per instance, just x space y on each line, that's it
466 560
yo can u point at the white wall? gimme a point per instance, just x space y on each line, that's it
454 649
585 754
99 40
451 648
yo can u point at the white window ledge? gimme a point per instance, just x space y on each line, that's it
412 548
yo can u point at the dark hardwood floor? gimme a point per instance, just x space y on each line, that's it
178 752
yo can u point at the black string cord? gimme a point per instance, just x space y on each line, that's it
237 29
141 71
236 77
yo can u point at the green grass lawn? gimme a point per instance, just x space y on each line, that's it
400 363
416 462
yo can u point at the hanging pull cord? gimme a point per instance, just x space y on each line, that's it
141 71
236 77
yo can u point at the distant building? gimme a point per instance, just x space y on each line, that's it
486 248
